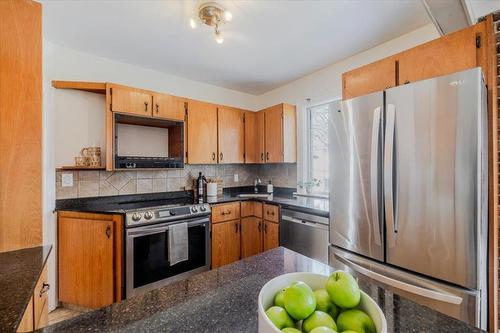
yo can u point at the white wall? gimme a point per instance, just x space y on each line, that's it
326 84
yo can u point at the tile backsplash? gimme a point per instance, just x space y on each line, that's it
104 183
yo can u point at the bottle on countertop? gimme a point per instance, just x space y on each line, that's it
199 182
269 187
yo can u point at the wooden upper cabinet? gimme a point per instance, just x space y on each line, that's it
131 100
231 135
280 134
168 107
201 133
451 53
254 137
370 78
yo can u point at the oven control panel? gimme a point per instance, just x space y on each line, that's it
165 214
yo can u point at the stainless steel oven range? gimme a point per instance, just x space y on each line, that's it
149 237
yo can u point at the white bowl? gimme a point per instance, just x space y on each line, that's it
315 281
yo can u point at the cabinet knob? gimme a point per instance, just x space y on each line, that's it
45 288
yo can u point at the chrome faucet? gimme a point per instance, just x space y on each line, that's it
255 183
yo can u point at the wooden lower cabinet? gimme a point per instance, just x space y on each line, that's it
251 236
90 256
271 235
36 314
225 243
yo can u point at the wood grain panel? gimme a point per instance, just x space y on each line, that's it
225 243
131 100
271 235
289 134
201 133
442 56
20 124
373 77
271 213
231 135
27 322
251 236
86 261
168 107
274 134
225 212
254 137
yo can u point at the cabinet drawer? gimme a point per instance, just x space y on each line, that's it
226 212
40 296
271 213
251 208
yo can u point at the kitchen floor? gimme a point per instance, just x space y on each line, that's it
61 314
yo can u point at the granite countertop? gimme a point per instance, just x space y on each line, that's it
19 273
119 204
225 300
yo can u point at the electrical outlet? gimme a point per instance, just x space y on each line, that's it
67 179
236 178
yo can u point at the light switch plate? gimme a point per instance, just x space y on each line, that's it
67 179
236 178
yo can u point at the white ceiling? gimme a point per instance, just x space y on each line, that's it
267 44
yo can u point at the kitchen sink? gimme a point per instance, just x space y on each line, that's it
253 195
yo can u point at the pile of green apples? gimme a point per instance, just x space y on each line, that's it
297 308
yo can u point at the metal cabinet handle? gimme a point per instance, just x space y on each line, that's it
221 156
108 231
236 227
157 108
45 288
261 156
267 156
259 227
213 156
265 228
146 106
226 212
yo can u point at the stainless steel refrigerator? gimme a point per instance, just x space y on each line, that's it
408 200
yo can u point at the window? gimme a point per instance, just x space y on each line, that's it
318 156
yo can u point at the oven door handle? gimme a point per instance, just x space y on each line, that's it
154 229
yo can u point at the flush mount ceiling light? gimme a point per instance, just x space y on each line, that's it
213 15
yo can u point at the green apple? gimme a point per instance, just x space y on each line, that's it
323 329
318 319
349 331
279 299
343 290
299 300
324 303
290 330
355 320
279 317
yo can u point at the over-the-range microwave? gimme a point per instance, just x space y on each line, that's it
147 143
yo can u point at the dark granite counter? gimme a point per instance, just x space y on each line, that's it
119 204
225 300
19 272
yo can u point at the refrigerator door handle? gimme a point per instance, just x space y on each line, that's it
428 293
389 175
374 175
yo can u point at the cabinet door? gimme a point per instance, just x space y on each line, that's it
373 77
231 131
251 236
271 235
202 133
274 134
168 107
225 243
26 324
445 55
40 300
85 262
254 137
130 100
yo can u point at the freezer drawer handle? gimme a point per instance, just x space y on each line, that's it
435 295
374 175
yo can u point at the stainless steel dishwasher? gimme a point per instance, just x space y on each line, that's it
305 233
